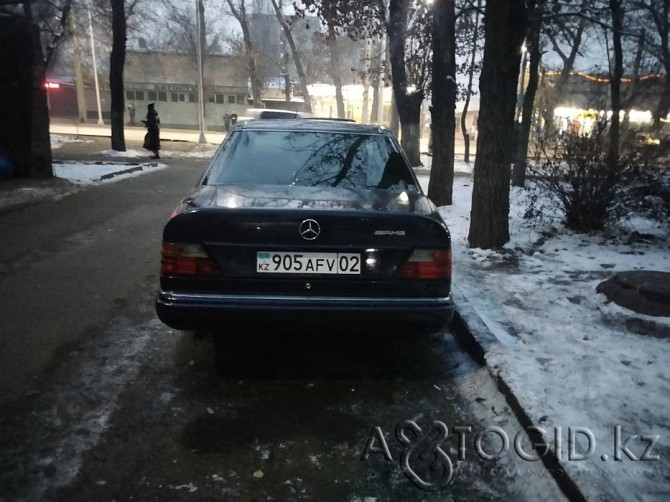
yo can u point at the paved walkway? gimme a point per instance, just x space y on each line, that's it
70 127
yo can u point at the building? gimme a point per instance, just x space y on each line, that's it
171 81
586 100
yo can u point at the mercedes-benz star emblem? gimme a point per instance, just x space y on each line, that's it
309 230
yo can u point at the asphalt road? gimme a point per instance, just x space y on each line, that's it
100 401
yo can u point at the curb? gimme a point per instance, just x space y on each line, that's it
477 339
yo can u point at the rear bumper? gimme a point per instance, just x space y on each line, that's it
195 311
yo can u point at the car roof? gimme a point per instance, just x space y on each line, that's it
312 124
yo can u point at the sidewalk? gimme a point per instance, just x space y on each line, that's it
71 127
90 143
572 363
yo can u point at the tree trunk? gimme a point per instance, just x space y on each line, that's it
374 112
533 46
505 27
661 20
376 117
468 90
632 89
116 64
663 107
410 129
440 187
302 77
408 103
331 39
25 149
616 73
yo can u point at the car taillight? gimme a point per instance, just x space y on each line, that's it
186 259
428 264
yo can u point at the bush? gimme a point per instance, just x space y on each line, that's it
645 190
589 192
577 173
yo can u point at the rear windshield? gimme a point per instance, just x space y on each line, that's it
311 159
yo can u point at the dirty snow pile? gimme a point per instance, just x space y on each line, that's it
571 358
88 173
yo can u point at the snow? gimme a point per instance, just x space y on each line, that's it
88 173
571 358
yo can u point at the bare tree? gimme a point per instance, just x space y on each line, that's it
239 11
535 15
616 72
302 77
53 20
657 15
407 31
408 97
471 33
361 21
565 34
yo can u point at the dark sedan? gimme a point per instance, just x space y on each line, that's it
305 216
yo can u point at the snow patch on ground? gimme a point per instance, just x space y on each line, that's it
58 141
578 360
89 173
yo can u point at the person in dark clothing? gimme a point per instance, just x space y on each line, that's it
152 139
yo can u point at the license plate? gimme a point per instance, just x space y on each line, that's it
308 263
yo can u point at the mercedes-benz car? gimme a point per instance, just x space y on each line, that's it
303 217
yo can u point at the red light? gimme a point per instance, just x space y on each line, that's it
52 85
428 264
185 259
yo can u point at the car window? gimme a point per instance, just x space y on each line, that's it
310 158
273 114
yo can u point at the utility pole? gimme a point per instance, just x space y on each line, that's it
79 81
95 69
198 49
365 118
382 72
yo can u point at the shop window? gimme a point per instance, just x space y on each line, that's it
219 99
174 97
139 95
162 96
152 96
130 95
192 98
231 100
